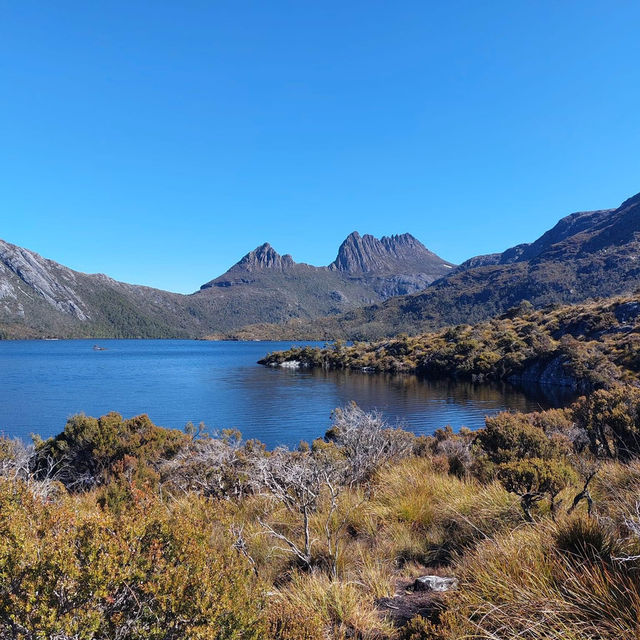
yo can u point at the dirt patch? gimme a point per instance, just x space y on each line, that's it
407 604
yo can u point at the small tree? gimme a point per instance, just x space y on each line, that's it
310 478
527 462
534 479
294 479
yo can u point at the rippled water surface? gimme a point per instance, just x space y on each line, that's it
176 381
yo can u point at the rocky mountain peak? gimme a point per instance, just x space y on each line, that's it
265 257
365 254
360 254
404 244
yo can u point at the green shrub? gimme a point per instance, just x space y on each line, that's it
88 449
508 437
71 569
611 419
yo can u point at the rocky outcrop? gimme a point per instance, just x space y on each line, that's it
389 254
54 283
262 259
408 602
265 257
550 372
627 312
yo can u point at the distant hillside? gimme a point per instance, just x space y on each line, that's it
41 298
587 346
374 288
585 255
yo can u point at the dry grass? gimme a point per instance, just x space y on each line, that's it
345 607
549 581
427 515
544 581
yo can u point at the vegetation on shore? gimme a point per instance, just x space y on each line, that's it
121 529
118 528
591 345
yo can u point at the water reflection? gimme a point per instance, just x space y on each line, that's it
175 381
420 404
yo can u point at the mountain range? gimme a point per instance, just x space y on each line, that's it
374 288
41 298
585 255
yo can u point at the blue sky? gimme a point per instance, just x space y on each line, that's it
160 141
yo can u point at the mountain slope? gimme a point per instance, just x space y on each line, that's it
41 298
587 254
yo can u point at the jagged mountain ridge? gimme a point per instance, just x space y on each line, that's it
585 255
367 254
39 297
391 265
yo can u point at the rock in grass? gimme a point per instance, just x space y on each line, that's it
434 583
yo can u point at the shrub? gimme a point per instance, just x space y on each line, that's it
214 466
285 621
611 419
70 569
366 441
533 479
508 437
85 453
419 628
524 458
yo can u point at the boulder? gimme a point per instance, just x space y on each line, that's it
434 583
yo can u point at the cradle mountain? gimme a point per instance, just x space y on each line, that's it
374 288
41 298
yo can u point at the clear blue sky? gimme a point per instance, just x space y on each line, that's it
160 141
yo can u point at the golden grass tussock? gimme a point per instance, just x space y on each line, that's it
550 580
344 607
448 511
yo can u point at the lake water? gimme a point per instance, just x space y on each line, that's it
219 383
